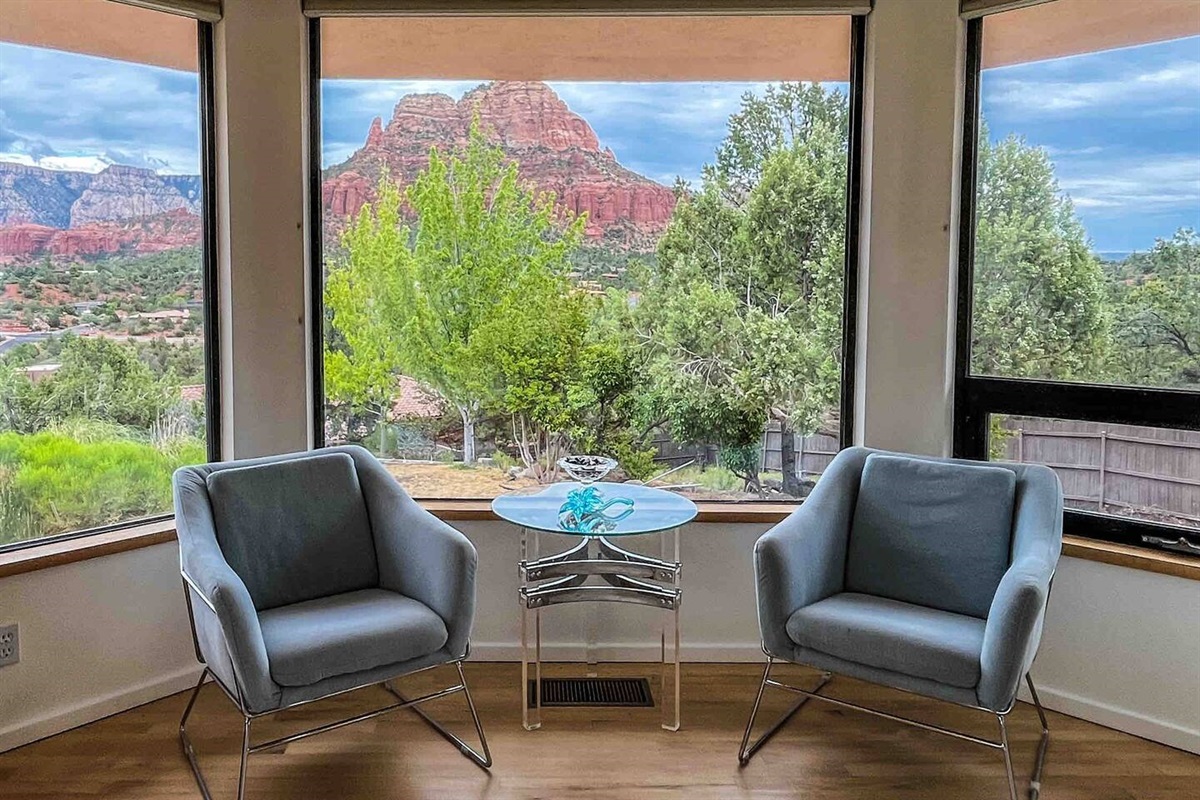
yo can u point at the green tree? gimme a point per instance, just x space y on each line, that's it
742 308
1040 308
437 300
1157 310
99 380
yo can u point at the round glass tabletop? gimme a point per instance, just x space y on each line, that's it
652 510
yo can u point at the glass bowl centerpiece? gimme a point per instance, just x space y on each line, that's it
587 469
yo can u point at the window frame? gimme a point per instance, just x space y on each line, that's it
976 397
210 282
854 172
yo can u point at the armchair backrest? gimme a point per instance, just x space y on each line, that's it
293 528
934 532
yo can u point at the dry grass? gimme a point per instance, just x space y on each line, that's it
435 480
454 480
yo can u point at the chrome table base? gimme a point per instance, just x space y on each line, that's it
597 570
748 749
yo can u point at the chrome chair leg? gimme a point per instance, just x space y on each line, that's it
245 759
190 751
482 760
1035 783
1008 767
186 743
746 752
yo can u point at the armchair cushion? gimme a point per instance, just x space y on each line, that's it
931 533
892 635
294 530
317 639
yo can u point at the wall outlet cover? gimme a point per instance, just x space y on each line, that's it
10 645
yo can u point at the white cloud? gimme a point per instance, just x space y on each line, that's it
1176 82
1134 185
91 164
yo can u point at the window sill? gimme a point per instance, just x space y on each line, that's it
1121 555
56 554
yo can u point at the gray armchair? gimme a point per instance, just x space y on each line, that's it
922 574
312 574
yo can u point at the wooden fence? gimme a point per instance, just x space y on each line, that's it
1150 473
813 453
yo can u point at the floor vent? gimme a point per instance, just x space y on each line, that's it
629 692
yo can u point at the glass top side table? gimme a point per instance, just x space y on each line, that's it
596 569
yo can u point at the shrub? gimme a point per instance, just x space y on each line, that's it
70 483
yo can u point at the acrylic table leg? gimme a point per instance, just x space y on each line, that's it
531 667
531 642
591 612
669 689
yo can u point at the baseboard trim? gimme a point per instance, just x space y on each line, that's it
63 719
1115 717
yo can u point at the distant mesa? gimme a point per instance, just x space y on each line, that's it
556 150
125 209
81 215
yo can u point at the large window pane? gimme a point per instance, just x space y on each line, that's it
102 379
553 236
1087 261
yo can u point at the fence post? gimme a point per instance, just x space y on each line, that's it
799 457
1103 458
1020 445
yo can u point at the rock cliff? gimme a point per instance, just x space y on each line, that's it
556 150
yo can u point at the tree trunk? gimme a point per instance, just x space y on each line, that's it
787 456
468 419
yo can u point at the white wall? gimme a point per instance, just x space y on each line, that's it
1120 646
97 637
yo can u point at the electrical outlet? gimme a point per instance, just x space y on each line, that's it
10 645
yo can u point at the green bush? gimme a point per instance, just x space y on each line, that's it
70 483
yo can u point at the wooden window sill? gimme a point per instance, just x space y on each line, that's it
54 554
83 548
1122 555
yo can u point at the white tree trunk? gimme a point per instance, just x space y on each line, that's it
468 419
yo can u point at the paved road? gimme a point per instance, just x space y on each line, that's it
40 336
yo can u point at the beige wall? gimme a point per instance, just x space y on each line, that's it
1119 645
261 89
912 116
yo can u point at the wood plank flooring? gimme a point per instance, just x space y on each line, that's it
599 754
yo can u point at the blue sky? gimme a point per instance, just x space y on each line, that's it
1123 126
1123 130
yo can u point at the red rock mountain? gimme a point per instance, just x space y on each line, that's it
556 150
80 215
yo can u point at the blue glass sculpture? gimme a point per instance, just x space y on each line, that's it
584 511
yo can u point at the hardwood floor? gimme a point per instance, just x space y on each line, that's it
599 754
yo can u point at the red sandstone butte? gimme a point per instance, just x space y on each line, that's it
556 150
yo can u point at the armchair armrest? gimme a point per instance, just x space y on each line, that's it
1014 623
419 555
803 558
226 627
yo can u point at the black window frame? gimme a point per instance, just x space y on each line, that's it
977 397
846 423
209 282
